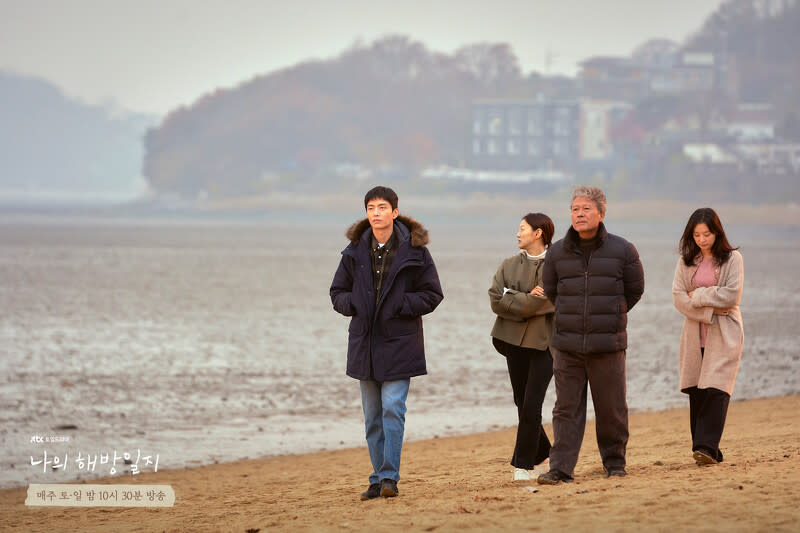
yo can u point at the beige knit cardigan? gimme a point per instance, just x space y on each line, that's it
723 350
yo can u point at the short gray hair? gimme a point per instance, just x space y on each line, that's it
592 193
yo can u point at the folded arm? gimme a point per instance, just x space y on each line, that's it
515 305
726 294
683 302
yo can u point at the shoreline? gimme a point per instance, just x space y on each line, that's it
464 482
344 206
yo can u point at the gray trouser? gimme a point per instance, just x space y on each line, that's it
605 374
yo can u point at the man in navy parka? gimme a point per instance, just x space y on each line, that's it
386 281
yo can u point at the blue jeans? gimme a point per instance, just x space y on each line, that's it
384 406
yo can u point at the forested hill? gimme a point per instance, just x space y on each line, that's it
396 104
763 38
393 102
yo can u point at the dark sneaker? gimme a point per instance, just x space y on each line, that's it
372 492
616 472
389 488
702 457
553 477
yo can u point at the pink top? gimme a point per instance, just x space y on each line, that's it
704 277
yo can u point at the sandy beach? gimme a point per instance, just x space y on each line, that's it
464 483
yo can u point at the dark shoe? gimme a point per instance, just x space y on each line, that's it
616 472
372 492
702 457
389 488
553 477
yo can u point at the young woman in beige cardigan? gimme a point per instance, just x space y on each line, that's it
707 289
522 334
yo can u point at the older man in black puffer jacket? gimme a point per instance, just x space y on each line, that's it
593 279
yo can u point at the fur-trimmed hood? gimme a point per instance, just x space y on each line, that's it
419 235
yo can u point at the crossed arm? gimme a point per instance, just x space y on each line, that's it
517 305
703 303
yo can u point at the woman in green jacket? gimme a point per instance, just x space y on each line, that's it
522 334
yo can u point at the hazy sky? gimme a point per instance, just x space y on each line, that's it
151 56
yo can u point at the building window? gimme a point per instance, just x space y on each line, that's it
513 146
495 122
514 121
476 146
493 147
478 117
534 148
534 121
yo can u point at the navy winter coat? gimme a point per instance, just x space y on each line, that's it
389 333
592 294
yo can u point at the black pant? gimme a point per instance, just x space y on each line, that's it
530 372
605 374
708 409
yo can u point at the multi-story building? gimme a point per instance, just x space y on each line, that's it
598 118
525 134
772 158
613 78
752 123
658 67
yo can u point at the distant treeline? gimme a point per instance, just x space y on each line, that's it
394 103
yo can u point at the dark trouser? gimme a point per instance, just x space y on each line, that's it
707 411
530 372
605 374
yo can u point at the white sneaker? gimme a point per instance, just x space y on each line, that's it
541 468
520 474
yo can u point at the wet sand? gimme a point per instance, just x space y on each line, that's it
464 483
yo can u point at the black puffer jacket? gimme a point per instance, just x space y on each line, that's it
592 293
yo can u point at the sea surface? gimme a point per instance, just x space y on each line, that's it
192 342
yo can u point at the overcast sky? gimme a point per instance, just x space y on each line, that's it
154 55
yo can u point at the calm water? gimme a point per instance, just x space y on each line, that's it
205 342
